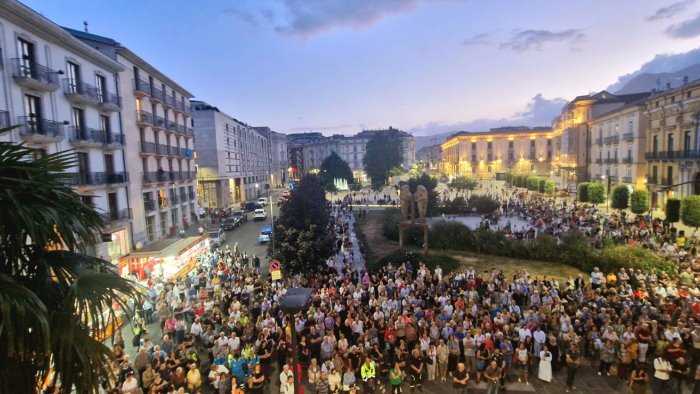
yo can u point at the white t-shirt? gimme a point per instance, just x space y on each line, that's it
660 368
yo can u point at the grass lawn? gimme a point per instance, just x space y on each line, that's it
379 246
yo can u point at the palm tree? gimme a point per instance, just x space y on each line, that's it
52 298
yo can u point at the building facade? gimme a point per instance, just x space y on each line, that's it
233 158
618 144
489 155
673 143
279 165
159 142
62 94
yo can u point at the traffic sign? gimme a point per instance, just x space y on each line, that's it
275 265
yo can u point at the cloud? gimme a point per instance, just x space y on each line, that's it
663 63
539 111
479 39
306 18
528 40
687 29
670 11
243 15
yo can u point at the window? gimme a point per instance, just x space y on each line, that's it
532 143
101 84
655 144
669 142
654 173
489 158
630 126
105 126
27 58
78 116
473 158
473 145
510 144
489 145
164 224
669 175
150 230
74 78
32 108
686 142
549 142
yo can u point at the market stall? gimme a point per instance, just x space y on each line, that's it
163 259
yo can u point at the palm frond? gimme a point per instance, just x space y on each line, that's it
24 336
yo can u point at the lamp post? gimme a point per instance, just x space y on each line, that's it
607 194
294 301
256 190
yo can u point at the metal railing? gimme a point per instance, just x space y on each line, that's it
107 98
628 136
116 177
162 149
599 161
613 139
170 101
599 141
611 160
157 94
172 125
191 196
142 86
25 68
627 179
159 121
148 147
149 205
627 160
86 134
115 216
144 117
30 125
114 139
76 87
673 155
183 197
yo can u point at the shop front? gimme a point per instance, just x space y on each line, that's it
164 260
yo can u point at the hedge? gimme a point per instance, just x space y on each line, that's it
583 191
620 197
550 187
541 185
673 210
533 183
596 193
690 211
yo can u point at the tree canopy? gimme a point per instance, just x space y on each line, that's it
462 183
690 211
303 239
639 201
673 210
384 152
52 297
596 193
334 167
620 197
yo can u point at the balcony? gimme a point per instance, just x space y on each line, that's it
144 118
170 101
599 141
183 197
673 155
115 178
80 92
149 205
114 141
626 160
85 137
110 102
157 95
172 126
98 178
148 147
180 106
156 176
192 196
613 139
40 130
652 180
599 161
114 217
667 181
173 151
182 129
4 119
611 160
627 179
162 150
190 132
141 88
158 122
628 136
32 75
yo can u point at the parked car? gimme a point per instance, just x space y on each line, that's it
259 214
230 224
286 194
217 238
241 215
265 235
262 201
281 201
250 206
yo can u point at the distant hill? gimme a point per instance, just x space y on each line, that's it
427 140
648 81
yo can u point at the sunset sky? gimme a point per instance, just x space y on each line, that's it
424 66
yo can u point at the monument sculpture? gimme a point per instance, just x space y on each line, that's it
409 201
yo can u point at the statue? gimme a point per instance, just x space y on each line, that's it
421 199
406 201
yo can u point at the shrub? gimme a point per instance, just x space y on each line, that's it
550 187
632 256
620 197
483 204
541 185
639 201
533 183
451 235
583 191
596 193
390 228
544 247
673 210
690 211
447 263
575 250
510 177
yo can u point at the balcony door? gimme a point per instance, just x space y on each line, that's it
32 108
26 58
109 164
78 118
101 84
83 167
73 71
113 206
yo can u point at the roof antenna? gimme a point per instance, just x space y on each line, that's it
86 25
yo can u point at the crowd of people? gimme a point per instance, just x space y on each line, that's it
222 329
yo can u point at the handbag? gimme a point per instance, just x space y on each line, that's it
613 370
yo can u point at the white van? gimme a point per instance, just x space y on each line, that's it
217 237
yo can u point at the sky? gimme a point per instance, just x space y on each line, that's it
424 66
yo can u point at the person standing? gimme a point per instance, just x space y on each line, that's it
395 378
544 372
416 370
492 375
460 377
662 375
639 380
572 363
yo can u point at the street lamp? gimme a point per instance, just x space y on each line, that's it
256 190
607 195
294 301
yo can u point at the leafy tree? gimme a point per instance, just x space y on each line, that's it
483 204
396 171
533 183
550 187
430 185
303 238
596 193
334 167
52 297
384 152
462 183
583 191
690 211
331 187
620 197
673 210
639 201
541 185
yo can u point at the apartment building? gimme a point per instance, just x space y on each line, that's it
279 165
233 158
490 155
63 94
673 142
618 144
159 143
